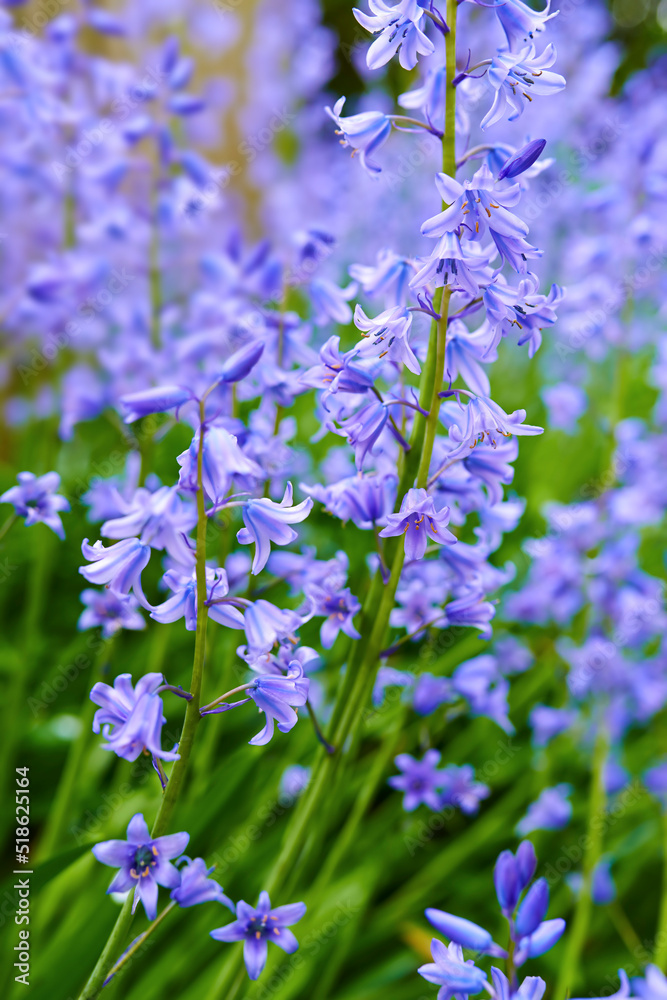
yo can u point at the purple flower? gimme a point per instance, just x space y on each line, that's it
196 886
551 811
566 403
364 132
653 987
518 77
144 863
603 888
512 874
130 718
520 22
119 566
547 723
156 400
266 521
460 789
110 610
463 932
36 500
222 460
418 520
339 607
275 696
386 336
399 26
183 602
482 418
265 625
256 927
420 780
430 693
522 160
241 363
476 204
453 265
364 428
293 782
448 970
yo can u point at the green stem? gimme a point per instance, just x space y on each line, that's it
132 950
660 955
62 804
7 525
192 718
582 914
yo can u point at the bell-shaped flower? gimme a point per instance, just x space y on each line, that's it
131 719
453 265
265 625
256 927
110 610
119 566
339 608
420 780
532 988
363 133
419 521
144 863
390 277
482 418
196 887
522 159
266 521
161 519
399 25
386 336
331 303
183 602
449 970
479 204
222 459
550 811
364 428
158 399
520 22
430 98
36 500
463 932
516 78
275 695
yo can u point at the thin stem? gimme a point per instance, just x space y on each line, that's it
192 718
582 914
7 525
227 694
318 732
134 947
660 955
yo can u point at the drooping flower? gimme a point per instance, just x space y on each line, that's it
482 418
275 696
517 77
339 608
183 602
386 336
364 133
418 520
36 500
110 610
222 460
420 781
144 863
550 811
257 926
399 26
131 719
266 521
449 971
196 887
155 400
119 566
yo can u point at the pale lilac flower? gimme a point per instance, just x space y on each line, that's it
419 521
266 521
131 719
399 26
363 133
36 500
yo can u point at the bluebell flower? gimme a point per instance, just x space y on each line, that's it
222 460
565 403
275 696
449 971
547 723
482 418
110 610
36 500
478 204
419 521
363 133
532 988
551 811
365 500
399 26
119 566
364 428
462 932
144 863
386 336
521 22
512 874
196 887
293 782
266 521
420 781
183 602
430 693
339 608
241 363
389 278
160 518
131 718
331 303
453 265
460 789
158 399
265 625
256 927
522 159
518 77
652 987
430 97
